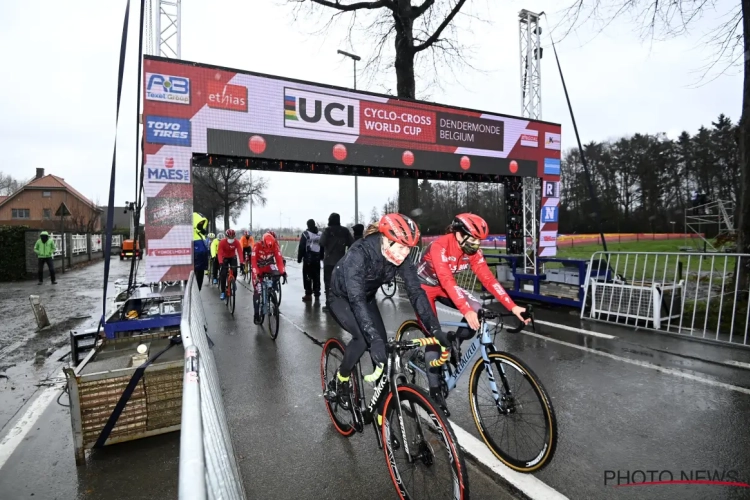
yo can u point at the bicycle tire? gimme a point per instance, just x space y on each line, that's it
390 291
536 459
459 487
333 345
273 315
412 376
232 297
279 290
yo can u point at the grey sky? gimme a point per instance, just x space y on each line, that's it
57 100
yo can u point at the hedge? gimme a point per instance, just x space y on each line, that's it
13 256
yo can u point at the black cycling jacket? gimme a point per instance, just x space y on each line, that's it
359 274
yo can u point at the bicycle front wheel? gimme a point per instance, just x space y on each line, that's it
413 365
273 315
389 289
232 296
330 360
521 428
278 291
433 466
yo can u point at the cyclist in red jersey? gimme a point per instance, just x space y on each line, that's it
450 254
266 252
229 254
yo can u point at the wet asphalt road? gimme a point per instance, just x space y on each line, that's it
612 416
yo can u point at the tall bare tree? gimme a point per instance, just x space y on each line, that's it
232 186
9 185
731 39
426 28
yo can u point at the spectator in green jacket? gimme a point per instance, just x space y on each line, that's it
44 248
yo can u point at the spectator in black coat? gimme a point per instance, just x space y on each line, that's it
358 230
334 241
310 254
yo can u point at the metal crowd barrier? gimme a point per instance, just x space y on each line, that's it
695 294
208 465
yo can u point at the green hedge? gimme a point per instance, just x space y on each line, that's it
13 255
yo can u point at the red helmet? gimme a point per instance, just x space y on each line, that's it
230 233
471 225
269 240
399 228
273 233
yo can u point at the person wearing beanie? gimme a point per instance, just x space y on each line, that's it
334 241
310 254
358 230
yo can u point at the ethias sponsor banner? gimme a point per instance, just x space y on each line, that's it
167 88
167 130
552 141
227 96
530 138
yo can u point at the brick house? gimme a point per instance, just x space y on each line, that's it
35 204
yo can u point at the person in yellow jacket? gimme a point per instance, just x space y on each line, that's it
44 248
200 247
215 259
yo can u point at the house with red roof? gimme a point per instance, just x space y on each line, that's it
38 201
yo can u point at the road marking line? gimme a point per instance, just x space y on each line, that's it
741 364
574 329
15 436
526 483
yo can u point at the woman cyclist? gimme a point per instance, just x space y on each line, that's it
229 254
371 262
452 253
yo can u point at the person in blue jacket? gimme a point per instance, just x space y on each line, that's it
200 247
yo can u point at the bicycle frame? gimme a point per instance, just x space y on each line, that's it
266 283
482 342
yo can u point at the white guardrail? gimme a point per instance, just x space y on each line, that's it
59 247
695 294
208 465
78 245
96 242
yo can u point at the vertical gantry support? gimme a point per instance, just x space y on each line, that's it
530 44
163 28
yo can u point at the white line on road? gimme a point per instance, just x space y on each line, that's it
526 483
15 436
737 363
573 329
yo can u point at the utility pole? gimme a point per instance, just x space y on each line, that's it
251 201
354 58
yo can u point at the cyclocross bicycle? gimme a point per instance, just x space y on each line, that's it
428 446
498 410
269 303
230 293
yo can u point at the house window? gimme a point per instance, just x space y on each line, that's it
47 213
46 194
20 213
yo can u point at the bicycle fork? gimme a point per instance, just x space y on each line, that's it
500 401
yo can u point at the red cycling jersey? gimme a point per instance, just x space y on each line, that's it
263 257
229 250
442 259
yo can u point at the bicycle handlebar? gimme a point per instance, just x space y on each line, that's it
406 345
485 314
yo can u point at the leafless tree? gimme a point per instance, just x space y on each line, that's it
730 37
233 186
424 35
9 185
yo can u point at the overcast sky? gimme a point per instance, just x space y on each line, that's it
57 99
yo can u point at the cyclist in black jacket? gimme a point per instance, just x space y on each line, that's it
371 262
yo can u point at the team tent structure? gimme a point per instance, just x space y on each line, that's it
198 115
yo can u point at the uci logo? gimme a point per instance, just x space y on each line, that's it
167 88
315 111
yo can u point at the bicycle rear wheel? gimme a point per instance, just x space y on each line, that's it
273 315
437 469
520 430
330 360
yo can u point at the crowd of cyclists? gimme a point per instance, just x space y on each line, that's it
370 262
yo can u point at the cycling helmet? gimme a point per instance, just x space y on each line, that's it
273 233
471 225
221 236
230 233
399 229
211 236
269 240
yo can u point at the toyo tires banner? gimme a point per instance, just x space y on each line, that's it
192 108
